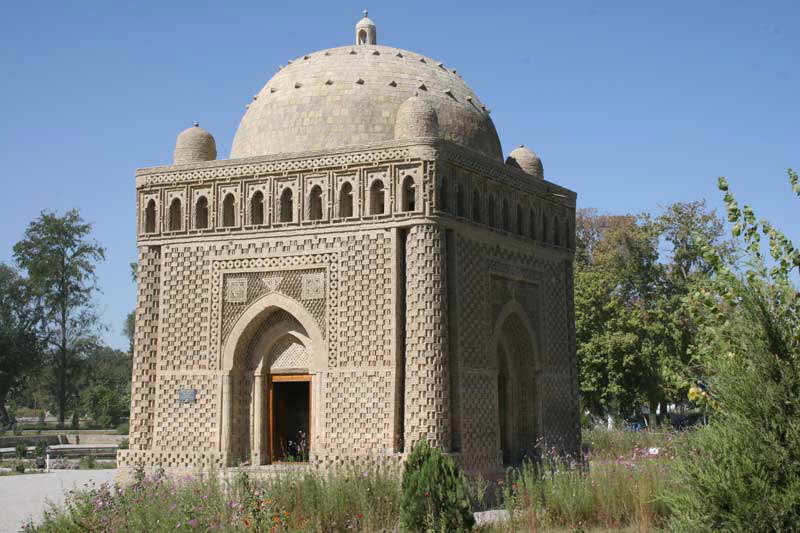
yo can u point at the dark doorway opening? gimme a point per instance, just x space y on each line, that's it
502 411
290 418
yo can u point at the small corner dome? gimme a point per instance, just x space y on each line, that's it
526 160
194 144
416 118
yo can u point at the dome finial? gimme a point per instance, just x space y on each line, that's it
365 31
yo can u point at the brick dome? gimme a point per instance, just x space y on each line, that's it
526 160
350 96
416 118
194 144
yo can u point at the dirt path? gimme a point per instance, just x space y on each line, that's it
26 496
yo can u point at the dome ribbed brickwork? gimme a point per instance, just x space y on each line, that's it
526 160
350 96
416 118
194 144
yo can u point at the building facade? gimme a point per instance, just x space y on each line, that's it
365 271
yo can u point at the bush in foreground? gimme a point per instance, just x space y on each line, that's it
435 493
742 472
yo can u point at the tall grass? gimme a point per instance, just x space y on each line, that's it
618 487
607 495
605 444
349 499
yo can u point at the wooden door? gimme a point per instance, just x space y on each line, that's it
276 413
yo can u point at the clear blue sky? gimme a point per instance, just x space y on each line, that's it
634 105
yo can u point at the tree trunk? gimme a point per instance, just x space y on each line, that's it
5 418
652 417
61 368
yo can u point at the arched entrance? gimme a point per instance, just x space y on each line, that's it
272 356
518 402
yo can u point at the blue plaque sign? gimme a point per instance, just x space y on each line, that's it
187 395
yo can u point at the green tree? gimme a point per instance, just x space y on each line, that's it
105 386
742 471
60 260
635 335
20 340
616 281
129 327
686 230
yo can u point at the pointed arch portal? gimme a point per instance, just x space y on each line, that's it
518 373
270 359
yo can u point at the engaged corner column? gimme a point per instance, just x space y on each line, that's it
258 423
427 412
225 426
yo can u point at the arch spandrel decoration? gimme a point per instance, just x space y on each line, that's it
306 285
250 322
317 274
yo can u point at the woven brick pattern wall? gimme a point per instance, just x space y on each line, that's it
427 381
491 276
143 386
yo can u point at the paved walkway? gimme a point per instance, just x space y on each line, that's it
26 496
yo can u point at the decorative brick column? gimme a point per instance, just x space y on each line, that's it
427 410
145 348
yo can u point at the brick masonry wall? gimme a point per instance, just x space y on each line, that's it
427 396
196 283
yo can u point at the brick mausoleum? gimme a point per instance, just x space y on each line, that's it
365 271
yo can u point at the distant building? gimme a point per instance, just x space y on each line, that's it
365 271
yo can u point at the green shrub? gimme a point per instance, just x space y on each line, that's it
742 471
123 444
24 412
76 423
123 429
20 467
21 451
434 493
87 463
41 448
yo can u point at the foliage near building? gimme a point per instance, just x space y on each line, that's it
20 337
60 260
742 472
634 333
435 495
